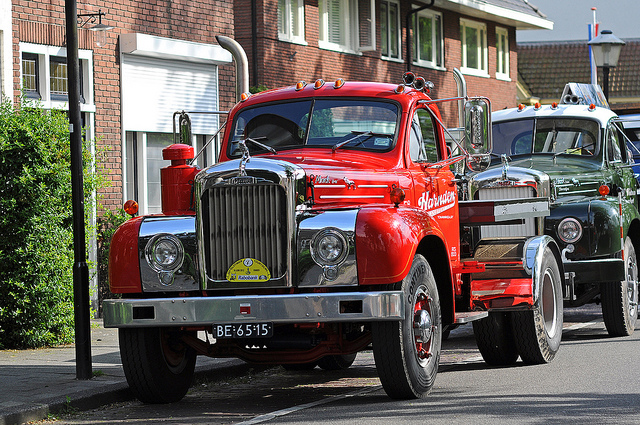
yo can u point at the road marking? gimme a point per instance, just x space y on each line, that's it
283 412
581 325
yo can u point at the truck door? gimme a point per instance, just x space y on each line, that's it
434 189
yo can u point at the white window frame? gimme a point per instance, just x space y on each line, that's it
349 26
482 50
386 23
502 54
45 53
417 60
290 32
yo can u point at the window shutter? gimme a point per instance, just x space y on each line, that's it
366 25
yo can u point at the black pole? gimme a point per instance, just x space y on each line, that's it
605 82
80 269
407 28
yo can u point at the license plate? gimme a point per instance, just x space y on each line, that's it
243 330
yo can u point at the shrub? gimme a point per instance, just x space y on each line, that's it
36 235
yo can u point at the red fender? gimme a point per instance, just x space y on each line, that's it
386 242
124 265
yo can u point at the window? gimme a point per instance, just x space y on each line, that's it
144 157
30 75
58 82
428 40
347 25
44 76
502 54
291 20
423 146
473 36
390 29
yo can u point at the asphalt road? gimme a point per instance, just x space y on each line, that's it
593 379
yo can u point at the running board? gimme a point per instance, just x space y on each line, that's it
470 316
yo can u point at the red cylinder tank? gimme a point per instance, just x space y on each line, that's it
176 180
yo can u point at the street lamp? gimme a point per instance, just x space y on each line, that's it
100 29
606 50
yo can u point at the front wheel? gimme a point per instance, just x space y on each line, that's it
620 299
157 364
537 333
407 353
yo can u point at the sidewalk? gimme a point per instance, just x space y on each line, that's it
34 383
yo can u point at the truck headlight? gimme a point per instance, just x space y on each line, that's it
569 230
164 253
329 247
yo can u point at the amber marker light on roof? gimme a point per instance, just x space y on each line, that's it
592 107
554 105
244 96
318 84
399 89
300 85
537 106
131 207
338 83
521 107
603 190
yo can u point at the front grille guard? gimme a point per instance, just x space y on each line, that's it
247 217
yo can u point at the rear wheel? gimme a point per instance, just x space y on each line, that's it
157 364
494 338
620 299
537 333
407 353
337 362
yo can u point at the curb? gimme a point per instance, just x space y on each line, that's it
108 394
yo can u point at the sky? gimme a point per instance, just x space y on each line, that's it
570 19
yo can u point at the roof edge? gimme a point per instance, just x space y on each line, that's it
481 9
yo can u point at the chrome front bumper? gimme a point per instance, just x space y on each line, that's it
300 308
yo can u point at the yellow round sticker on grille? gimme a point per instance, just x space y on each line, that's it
248 270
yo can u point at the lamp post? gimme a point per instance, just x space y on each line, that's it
606 51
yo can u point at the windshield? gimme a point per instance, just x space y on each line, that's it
333 123
569 136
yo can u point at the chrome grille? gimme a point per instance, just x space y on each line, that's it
241 221
528 228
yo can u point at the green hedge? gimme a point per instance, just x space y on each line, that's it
36 236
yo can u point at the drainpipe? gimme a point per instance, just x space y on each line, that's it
254 41
242 64
407 27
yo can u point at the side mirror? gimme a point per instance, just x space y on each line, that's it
477 132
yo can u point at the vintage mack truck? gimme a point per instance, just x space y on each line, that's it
575 153
331 224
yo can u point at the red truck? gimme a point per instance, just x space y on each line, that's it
331 224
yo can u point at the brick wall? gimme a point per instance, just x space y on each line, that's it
282 63
42 22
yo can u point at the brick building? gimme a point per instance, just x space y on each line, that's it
161 56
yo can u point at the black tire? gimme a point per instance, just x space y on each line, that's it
620 299
337 362
494 337
537 333
297 367
407 354
157 364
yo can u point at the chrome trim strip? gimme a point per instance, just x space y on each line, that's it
298 308
329 186
374 186
351 196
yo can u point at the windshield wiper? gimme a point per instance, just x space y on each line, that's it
576 149
358 134
261 145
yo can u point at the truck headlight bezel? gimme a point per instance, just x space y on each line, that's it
329 247
569 230
164 253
